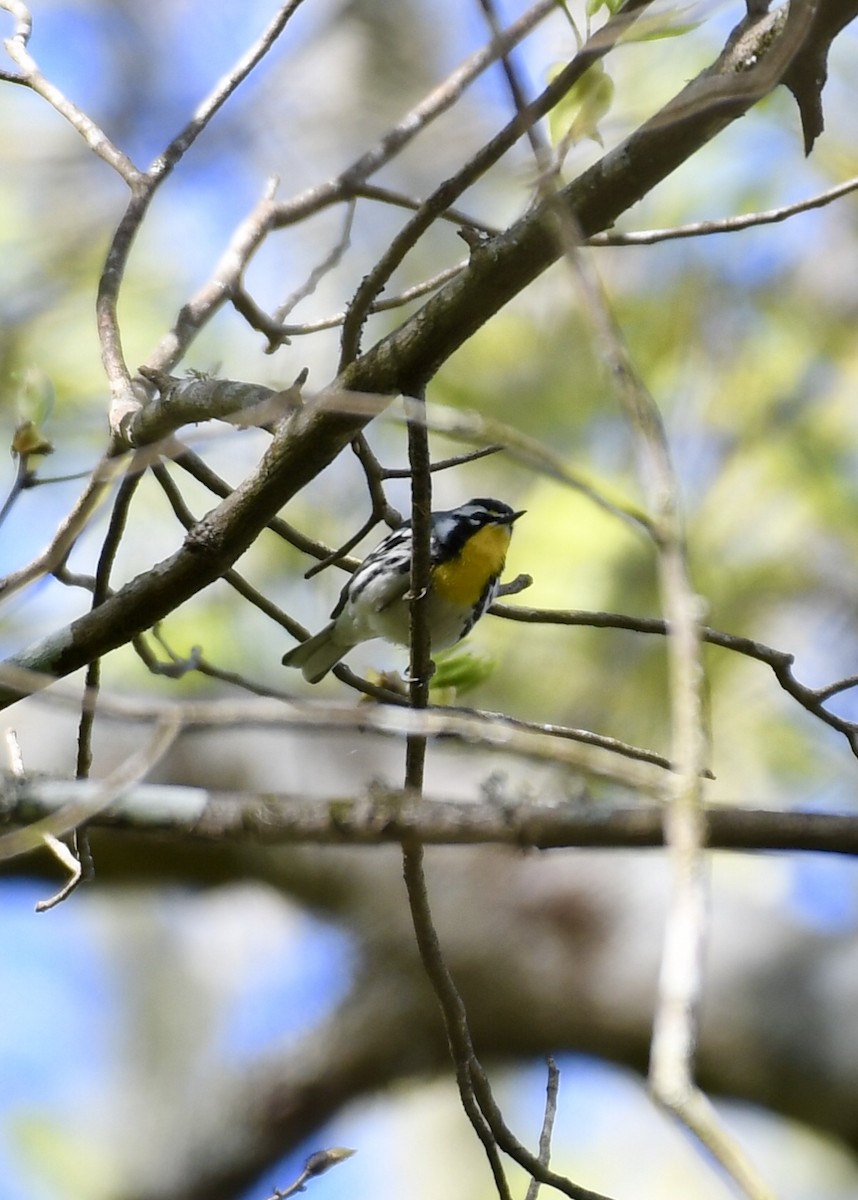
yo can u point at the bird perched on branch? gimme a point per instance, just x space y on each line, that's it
467 551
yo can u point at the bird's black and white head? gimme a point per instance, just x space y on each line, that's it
451 529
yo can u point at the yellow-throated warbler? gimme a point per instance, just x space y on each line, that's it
468 550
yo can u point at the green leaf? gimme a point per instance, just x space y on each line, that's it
35 396
578 114
613 6
59 1157
656 31
460 670
34 400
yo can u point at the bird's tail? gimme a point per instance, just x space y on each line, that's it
317 655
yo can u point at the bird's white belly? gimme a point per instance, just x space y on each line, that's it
383 618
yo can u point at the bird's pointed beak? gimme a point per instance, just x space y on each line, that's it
515 516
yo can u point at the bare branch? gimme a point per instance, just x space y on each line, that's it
222 91
125 399
547 1132
83 809
456 216
95 137
231 577
383 816
780 661
100 592
269 215
413 293
444 464
648 237
319 272
197 399
73 525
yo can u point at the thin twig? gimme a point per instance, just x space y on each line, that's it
203 473
452 1008
420 668
444 464
336 557
649 237
316 1164
272 326
69 530
19 483
224 88
328 263
415 292
455 216
95 137
551 1090
380 508
780 661
125 400
268 215
73 866
374 476
231 577
109 550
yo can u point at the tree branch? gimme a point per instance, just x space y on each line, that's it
383 816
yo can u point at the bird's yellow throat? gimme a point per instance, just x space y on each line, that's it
463 579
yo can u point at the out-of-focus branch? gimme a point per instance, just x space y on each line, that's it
86 805
271 819
639 771
527 994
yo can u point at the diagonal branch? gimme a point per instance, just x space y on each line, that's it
780 661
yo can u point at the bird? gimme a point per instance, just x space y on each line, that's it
468 547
